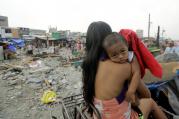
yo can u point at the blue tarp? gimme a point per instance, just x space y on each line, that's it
4 39
12 48
18 42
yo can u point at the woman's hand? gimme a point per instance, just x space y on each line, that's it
132 98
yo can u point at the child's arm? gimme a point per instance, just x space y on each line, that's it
134 82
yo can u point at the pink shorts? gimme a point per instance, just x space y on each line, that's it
111 109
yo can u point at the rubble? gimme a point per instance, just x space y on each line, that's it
168 57
23 82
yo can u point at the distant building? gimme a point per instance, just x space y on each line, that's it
0 33
61 35
5 32
75 35
4 21
15 33
139 33
23 31
37 32
52 29
149 41
9 32
151 38
83 38
20 32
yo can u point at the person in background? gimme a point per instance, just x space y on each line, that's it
5 52
170 47
176 48
30 49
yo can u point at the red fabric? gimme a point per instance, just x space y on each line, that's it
144 57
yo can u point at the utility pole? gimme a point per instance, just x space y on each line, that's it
149 27
158 37
47 35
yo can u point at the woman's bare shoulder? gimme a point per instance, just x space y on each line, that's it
107 62
109 65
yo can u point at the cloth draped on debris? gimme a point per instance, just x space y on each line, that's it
144 57
166 94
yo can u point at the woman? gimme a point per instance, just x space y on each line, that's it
100 88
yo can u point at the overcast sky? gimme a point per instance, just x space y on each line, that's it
76 15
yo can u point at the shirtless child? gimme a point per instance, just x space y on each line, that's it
116 48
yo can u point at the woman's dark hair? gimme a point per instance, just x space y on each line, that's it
96 33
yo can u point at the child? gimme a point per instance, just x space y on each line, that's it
116 48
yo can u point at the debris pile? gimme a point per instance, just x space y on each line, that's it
168 57
25 80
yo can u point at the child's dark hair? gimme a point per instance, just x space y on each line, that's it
112 39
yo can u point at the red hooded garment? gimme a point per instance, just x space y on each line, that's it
144 57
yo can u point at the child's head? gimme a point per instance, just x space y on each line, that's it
116 47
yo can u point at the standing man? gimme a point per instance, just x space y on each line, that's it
30 49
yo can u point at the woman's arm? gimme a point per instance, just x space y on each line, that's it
143 91
134 81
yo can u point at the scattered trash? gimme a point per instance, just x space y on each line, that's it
48 97
28 77
34 80
35 64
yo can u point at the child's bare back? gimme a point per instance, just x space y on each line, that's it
110 79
